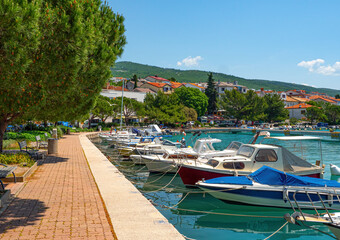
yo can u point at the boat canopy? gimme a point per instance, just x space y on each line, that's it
292 163
270 176
241 180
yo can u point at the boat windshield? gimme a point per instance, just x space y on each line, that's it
246 151
234 146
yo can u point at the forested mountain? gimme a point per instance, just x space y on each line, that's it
128 69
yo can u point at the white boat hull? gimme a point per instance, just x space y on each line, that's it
137 159
160 165
272 197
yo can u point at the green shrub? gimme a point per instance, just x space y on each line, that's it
24 135
60 132
21 159
10 144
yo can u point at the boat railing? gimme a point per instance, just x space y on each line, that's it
317 205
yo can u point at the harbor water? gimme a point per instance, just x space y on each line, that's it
197 215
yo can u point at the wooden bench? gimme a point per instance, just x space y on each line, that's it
4 172
40 144
30 151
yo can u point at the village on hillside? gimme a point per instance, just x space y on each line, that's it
296 101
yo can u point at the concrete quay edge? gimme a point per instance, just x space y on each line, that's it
132 215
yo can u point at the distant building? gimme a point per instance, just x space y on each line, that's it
112 94
297 93
145 90
222 86
157 79
194 85
298 111
155 87
318 98
291 101
262 93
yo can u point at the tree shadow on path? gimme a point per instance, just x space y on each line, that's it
22 212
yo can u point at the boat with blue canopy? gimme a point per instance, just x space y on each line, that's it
273 188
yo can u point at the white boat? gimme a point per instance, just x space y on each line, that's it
249 158
273 188
202 151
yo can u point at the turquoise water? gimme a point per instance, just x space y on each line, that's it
200 216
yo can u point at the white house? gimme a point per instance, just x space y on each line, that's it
298 111
222 86
139 96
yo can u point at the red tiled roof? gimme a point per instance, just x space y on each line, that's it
117 88
176 84
322 98
196 85
334 99
301 105
159 78
159 85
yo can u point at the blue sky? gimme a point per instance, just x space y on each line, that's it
292 40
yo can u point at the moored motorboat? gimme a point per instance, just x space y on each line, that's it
202 150
273 188
249 158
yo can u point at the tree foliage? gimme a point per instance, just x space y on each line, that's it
193 98
332 113
54 57
131 107
103 108
242 106
211 93
275 108
315 113
190 114
135 80
164 108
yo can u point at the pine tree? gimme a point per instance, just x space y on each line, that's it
55 56
211 94
135 79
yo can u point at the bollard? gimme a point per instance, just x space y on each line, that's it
55 133
52 147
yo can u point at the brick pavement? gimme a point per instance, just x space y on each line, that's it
60 201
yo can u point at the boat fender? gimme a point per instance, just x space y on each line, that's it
285 195
335 170
330 199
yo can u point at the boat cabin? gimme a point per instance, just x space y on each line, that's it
251 157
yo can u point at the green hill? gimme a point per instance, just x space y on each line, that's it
128 69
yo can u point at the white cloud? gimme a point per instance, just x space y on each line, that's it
305 84
190 61
318 66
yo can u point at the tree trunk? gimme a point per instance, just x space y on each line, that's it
3 126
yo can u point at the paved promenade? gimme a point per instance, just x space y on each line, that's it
60 201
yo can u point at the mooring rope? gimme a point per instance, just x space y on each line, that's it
224 214
163 174
276 231
188 237
164 185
